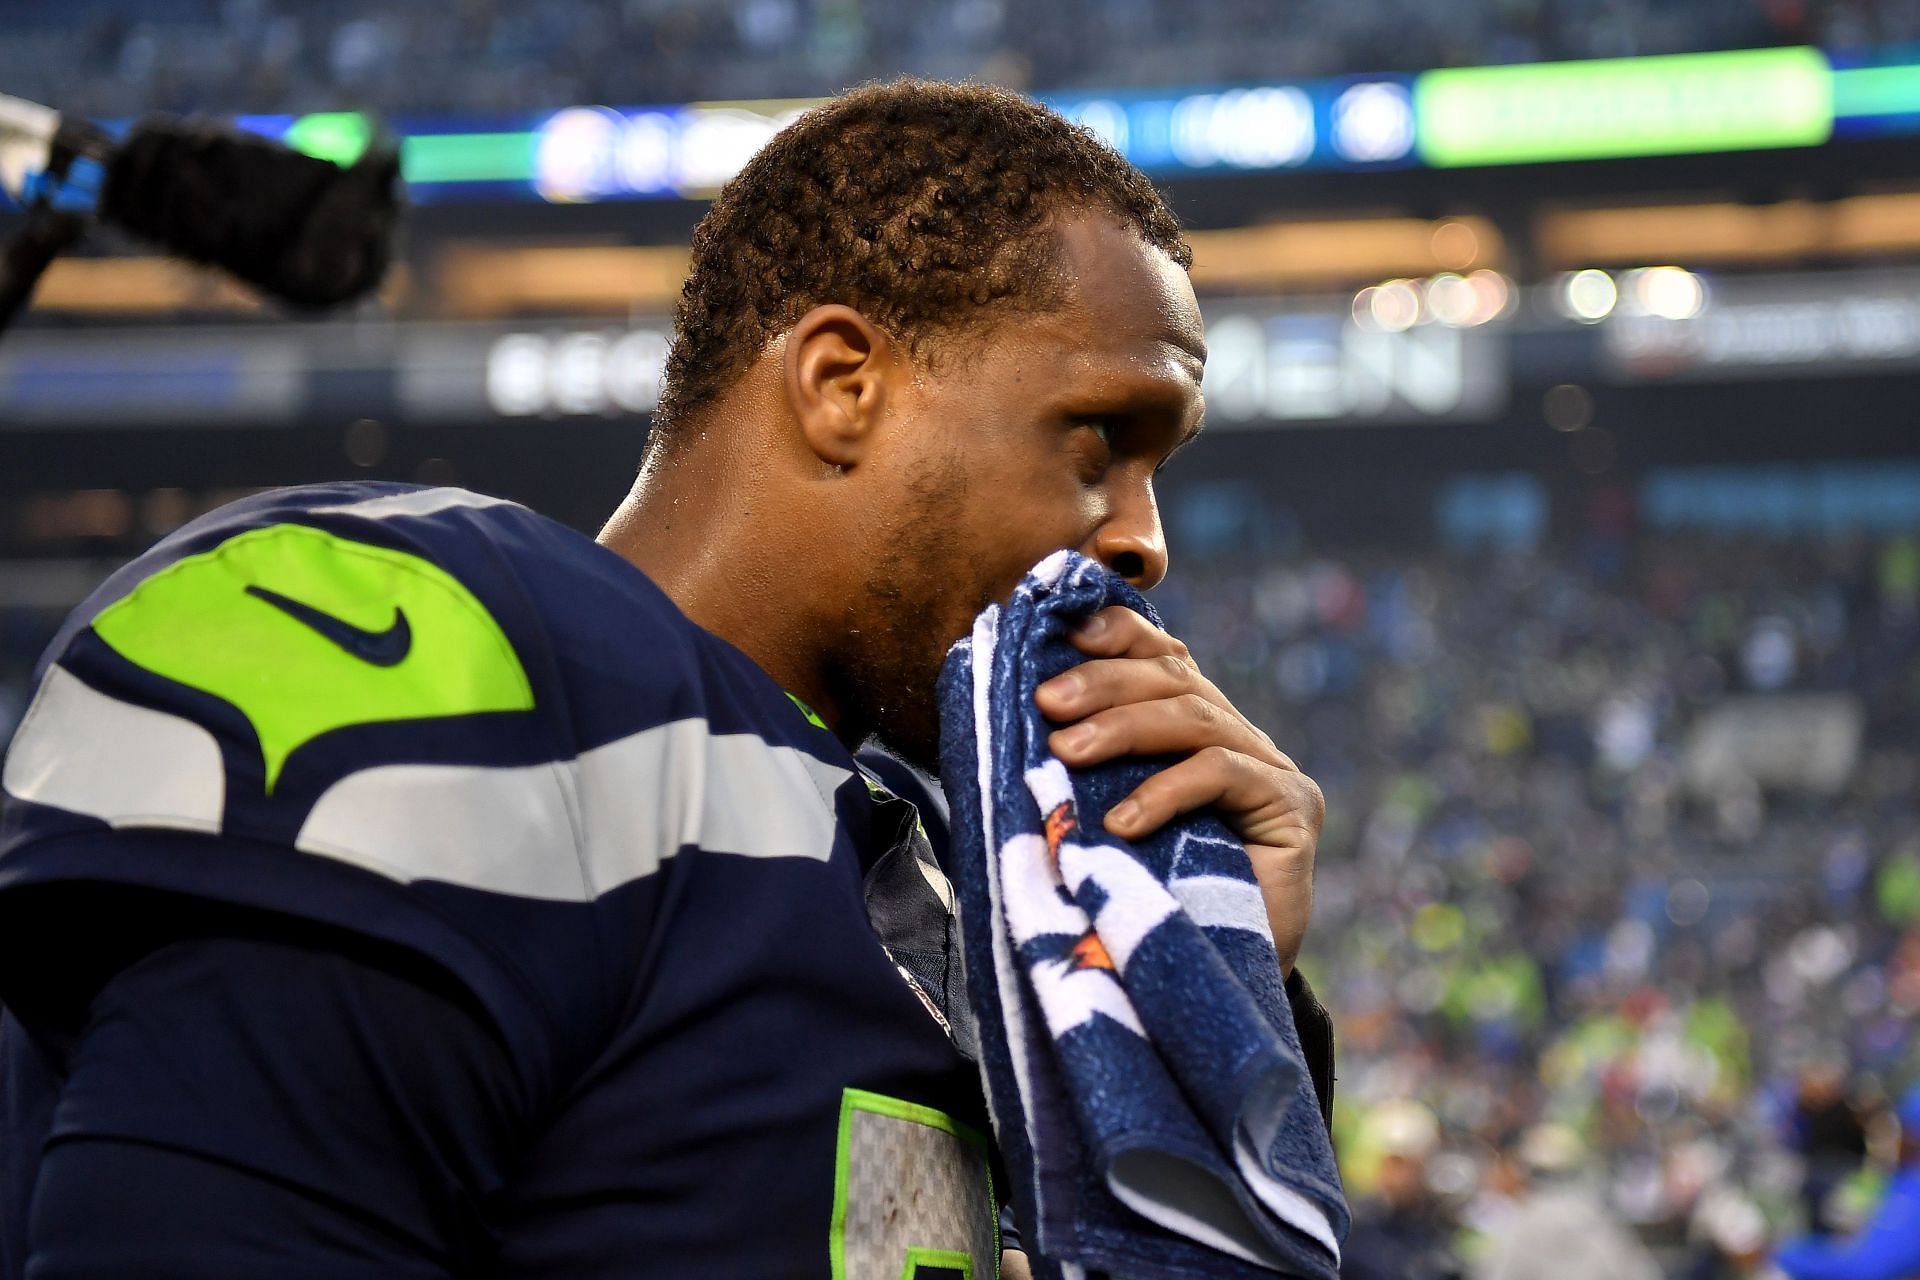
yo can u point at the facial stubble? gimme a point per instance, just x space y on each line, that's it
918 599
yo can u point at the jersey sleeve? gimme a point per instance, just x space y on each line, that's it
240 1107
340 706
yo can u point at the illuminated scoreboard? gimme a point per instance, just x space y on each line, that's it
1677 104
593 153
1742 100
599 153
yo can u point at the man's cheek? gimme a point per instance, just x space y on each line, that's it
999 588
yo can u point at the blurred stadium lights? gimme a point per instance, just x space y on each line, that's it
1774 326
152 286
574 374
477 280
1731 233
1264 128
87 377
1279 364
1373 122
595 153
1340 252
1456 244
1451 300
139 286
429 157
1463 302
481 280
1397 351
1393 307
339 136
1751 99
1448 299
1670 293
454 161
1308 355
1588 295
591 153
1614 107
1871 99
1667 293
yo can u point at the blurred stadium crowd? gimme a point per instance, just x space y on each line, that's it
107 59
1621 876
1537 906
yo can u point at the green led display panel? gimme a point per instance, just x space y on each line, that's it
1673 105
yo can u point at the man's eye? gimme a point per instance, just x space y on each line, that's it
1094 437
1100 427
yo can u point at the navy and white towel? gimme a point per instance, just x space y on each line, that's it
1152 1104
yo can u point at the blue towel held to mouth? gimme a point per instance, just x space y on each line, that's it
1145 1076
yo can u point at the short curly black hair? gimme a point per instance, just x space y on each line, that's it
924 205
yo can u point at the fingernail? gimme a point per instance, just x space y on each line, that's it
1077 738
1093 626
1067 686
1126 813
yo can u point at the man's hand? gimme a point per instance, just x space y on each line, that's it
1140 693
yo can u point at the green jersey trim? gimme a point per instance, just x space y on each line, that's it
942 1259
305 632
813 717
914 1190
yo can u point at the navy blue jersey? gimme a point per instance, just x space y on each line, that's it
339 776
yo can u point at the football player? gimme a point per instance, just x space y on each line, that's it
396 883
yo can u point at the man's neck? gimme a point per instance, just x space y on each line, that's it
697 548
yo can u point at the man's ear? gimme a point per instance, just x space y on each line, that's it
839 367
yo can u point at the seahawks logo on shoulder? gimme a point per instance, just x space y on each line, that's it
305 632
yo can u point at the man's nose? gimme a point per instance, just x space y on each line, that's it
1133 545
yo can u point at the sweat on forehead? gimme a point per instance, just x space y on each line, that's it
920 204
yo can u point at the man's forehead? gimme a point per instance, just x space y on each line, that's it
1128 300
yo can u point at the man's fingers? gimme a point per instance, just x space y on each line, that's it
1187 722
1141 694
1277 812
1119 632
1100 683
1136 662
1263 804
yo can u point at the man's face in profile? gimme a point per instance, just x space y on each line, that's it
1045 434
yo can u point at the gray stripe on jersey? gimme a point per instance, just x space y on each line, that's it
82 751
568 830
422 502
628 805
